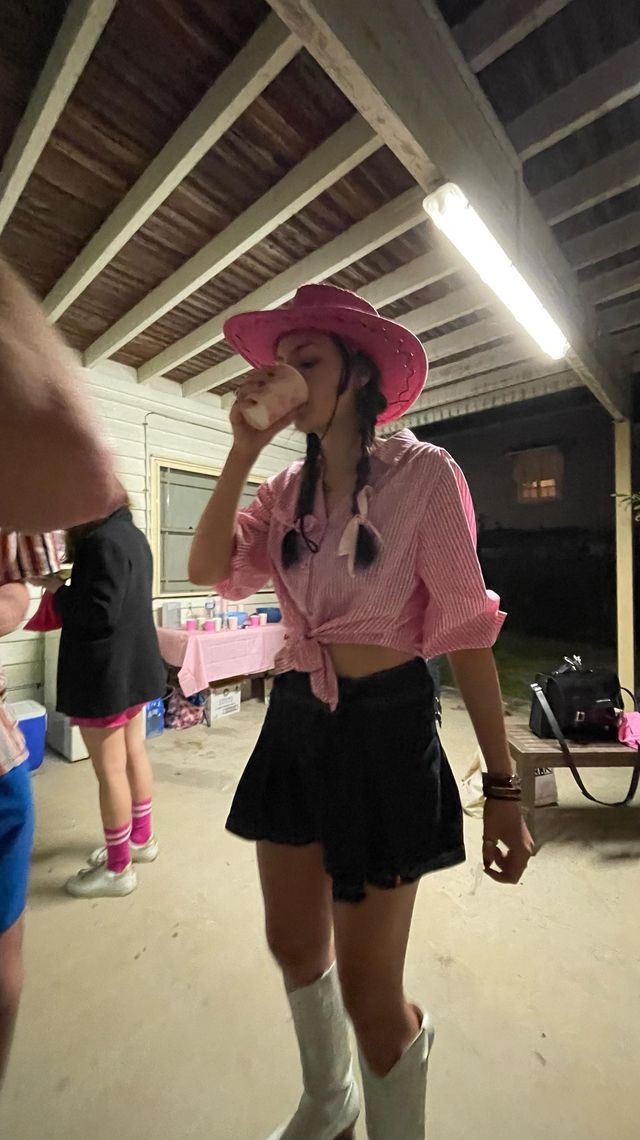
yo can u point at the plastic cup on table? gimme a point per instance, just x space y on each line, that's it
191 624
255 620
262 619
217 624
233 623
209 625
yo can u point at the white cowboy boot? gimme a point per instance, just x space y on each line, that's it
396 1104
330 1103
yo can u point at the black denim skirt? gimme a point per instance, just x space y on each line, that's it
370 782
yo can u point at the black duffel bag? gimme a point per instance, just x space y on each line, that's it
583 704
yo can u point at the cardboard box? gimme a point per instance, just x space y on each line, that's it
224 700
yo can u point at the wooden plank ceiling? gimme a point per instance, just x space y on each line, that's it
203 155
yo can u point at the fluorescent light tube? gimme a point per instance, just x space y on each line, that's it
450 211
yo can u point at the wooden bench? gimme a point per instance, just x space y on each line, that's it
529 752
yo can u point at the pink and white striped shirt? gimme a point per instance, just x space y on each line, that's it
425 593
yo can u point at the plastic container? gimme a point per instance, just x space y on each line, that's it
32 719
262 619
274 614
254 620
154 718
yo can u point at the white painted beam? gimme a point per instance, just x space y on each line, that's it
510 394
459 303
614 283
268 51
79 33
438 115
322 168
469 337
359 240
416 274
593 94
597 183
514 352
498 25
621 316
506 377
605 241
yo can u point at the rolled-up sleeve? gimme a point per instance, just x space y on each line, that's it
251 567
461 613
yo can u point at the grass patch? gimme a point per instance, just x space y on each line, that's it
519 658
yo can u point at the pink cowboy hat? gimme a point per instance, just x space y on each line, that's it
399 354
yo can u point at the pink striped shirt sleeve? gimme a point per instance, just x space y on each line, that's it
462 613
251 568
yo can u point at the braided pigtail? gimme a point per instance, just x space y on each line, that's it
370 403
306 500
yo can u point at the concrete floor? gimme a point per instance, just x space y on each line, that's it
160 1016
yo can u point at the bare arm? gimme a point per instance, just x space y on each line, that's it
55 471
212 546
477 679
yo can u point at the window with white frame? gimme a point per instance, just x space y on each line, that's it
539 473
181 493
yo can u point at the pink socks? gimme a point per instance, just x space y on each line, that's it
141 830
118 852
118 839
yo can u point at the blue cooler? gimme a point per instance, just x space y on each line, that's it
154 718
32 719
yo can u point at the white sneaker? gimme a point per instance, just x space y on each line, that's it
98 882
140 853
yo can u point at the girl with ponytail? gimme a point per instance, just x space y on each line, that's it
370 544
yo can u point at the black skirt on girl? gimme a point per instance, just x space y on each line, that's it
370 782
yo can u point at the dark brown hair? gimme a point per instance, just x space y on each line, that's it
370 403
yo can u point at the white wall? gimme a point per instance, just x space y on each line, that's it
143 422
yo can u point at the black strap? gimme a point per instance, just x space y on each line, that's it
570 762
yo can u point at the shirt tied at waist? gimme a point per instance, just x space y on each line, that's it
307 655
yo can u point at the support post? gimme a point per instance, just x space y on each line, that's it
624 556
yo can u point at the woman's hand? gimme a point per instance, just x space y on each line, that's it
504 824
248 441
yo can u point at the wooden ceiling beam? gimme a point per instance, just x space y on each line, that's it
532 376
614 283
416 274
268 51
514 351
622 316
498 25
322 168
593 94
469 337
388 222
605 241
79 33
605 179
438 115
458 303
471 401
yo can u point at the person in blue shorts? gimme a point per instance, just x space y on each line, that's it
16 835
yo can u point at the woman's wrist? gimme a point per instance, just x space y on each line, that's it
243 457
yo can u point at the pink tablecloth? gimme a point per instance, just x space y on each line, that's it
206 657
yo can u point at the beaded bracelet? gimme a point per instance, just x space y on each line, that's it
497 787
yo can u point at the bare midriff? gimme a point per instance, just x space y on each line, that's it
364 660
